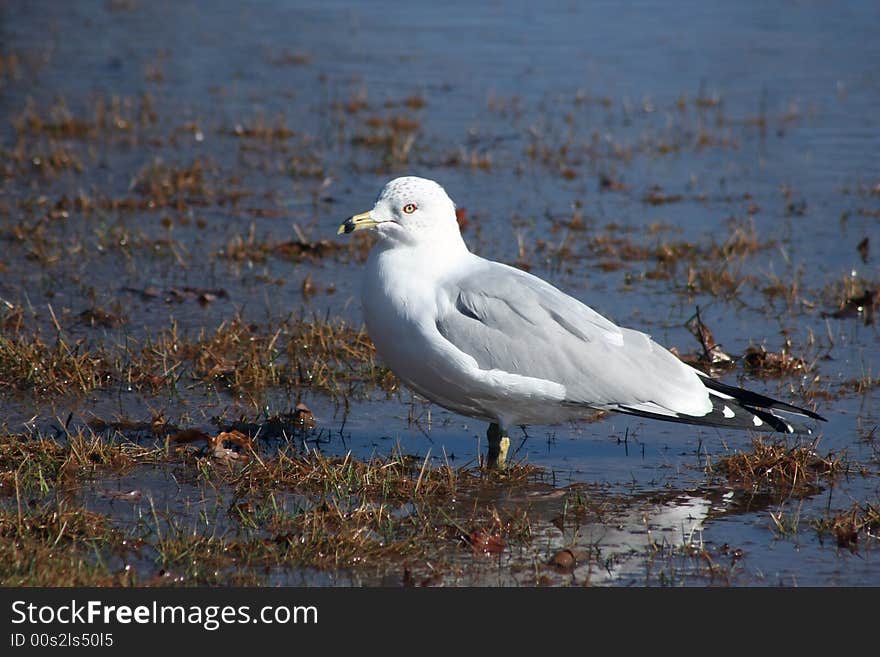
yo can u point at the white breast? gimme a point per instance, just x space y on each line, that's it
401 320
394 312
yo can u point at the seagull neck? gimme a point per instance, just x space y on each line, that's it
441 253
420 259
432 247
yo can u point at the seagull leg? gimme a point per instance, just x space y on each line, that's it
499 443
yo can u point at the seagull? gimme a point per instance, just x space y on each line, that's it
498 344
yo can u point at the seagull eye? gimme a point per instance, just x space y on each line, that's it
409 208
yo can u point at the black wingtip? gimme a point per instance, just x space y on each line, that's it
749 398
738 408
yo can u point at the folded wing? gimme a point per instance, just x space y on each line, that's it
511 321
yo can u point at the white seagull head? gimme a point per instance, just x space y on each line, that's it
409 210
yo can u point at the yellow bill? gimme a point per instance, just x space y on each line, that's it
357 222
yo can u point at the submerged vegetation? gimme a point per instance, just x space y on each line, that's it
88 509
254 513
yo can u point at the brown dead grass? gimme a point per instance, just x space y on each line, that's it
778 469
53 367
328 356
380 513
852 528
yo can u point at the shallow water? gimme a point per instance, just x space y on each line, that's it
763 115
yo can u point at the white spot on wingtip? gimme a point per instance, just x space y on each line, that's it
757 421
727 412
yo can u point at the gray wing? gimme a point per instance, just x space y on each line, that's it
509 320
